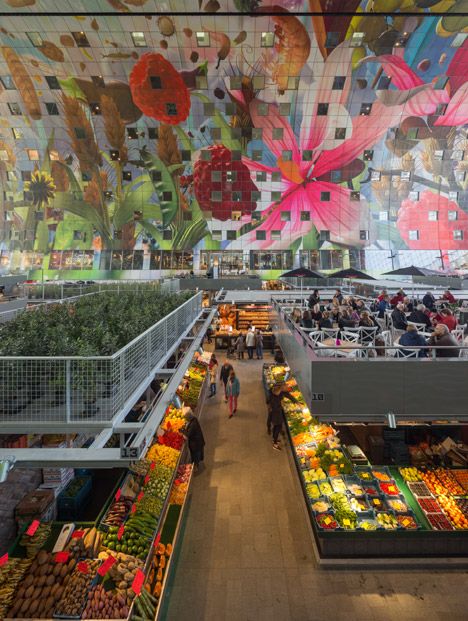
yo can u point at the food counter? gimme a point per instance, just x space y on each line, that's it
371 511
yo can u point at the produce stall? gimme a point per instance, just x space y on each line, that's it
371 511
235 319
117 566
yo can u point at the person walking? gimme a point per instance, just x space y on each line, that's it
213 367
224 376
194 435
240 346
232 392
259 344
250 342
275 411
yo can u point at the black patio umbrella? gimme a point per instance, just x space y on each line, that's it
411 270
302 272
351 273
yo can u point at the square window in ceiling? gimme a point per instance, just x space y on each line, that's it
260 235
357 39
278 133
203 39
153 133
98 81
95 108
285 216
368 155
458 154
285 109
405 175
230 109
231 235
201 82
208 108
452 216
293 83
15 109
167 234
383 216
384 83
267 39
167 196
261 176
413 195
139 39
52 82
458 234
7 83
325 196
355 195
258 82
186 155
275 196
257 155
171 109
216 196
307 155
275 235
155 81
81 39
305 216
453 196
33 154
231 176
236 156
206 155
235 82
236 215
17 133
332 39
432 216
257 133
127 175
363 235
35 38
365 109
340 133
114 155
156 176
132 133
216 175
413 235
262 109
286 156
335 176
322 109
52 108
80 133
276 176
338 82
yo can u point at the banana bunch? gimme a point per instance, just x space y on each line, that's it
10 575
36 542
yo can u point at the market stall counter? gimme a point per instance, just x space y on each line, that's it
372 512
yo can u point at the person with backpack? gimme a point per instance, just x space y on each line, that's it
224 376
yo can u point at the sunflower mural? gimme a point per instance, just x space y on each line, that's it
286 133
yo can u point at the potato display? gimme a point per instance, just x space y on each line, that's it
74 595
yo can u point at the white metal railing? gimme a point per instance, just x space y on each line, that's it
54 291
42 389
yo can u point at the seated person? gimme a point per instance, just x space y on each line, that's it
420 316
338 296
345 320
448 297
399 318
361 306
448 318
325 321
367 321
382 295
409 306
429 301
314 298
443 338
397 298
412 338
306 321
316 313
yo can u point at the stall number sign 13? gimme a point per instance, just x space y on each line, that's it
130 452
318 396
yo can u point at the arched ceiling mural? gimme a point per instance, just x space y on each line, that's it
246 125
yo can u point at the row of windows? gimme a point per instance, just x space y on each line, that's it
457 235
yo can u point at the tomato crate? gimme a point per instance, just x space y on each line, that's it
438 521
429 505
419 489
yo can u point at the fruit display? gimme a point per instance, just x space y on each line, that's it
326 521
10 576
407 522
389 489
381 475
387 520
397 505
105 604
156 575
429 505
462 478
160 478
438 521
338 484
118 511
364 475
420 489
433 482
411 475
314 475
462 504
312 490
453 512
344 515
145 606
42 587
172 438
333 460
33 543
86 546
449 481
150 505
320 506
355 490
368 524
377 503
164 455
73 598
371 490
325 488
358 504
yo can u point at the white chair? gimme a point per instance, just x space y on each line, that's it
350 335
459 333
330 333
420 326
316 336
387 339
407 353
367 334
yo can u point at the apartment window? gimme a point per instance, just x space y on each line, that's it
52 108
293 83
453 196
458 154
186 155
26 175
275 196
231 235
458 234
156 176
231 176
52 82
357 39
257 133
127 175
452 216
15 109
139 39
33 154
235 82
338 82
276 176
285 216
285 109
7 83
201 82
324 196
81 39
80 133
433 216
217 235
255 196
363 235
95 108
35 38
203 39
258 82
368 155
114 155
275 235
167 196
307 155
413 235
322 109
216 175
413 195
216 196
155 81
260 235
384 83
206 155
332 39
153 133
236 196
171 109
286 156
261 176
132 133
187 216
324 235
365 109
355 195
305 216
340 133
277 133
267 39
17 133
262 109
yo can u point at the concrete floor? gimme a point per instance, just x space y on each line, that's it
246 553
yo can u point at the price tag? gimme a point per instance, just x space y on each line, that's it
134 508
152 465
4 559
138 582
62 557
140 496
346 522
118 494
33 527
327 520
147 478
177 482
391 488
110 560
157 540
83 567
77 534
406 522
120 532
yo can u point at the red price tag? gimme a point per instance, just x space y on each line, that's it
177 482
133 509
83 567
147 478
169 426
120 532
152 465
77 534
4 559
140 496
118 494
110 560
33 527
138 582
62 557
157 540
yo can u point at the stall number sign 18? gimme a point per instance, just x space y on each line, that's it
318 396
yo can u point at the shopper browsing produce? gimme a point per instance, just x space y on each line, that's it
213 373
275 412
232 393
224 376
196 442
250 342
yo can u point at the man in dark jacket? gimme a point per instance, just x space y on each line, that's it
275 411
412 338
224 375
443 338
196 442
429 301
419 316
399 318
314 298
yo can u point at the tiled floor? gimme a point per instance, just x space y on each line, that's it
246 551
